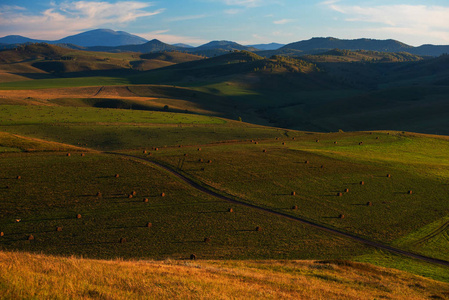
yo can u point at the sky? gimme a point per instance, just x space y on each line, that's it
247 22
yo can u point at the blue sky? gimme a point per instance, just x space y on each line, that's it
244 21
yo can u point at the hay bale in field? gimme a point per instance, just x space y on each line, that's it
341 216
2 233
122 240
68 154
277 139
362 182
293 138
145 200
361 143
410 192
133 193
317 141
19 177
283 143
82 154
256 143
207 240
162 194
230 210
99 195
149 224
58 228
18 220
192 256
180 146
295 207
200 160
293 193
258 228
389 175
264 150
209 161
339 194
156 149
130 196
306 162
369 203
78 216
199 149
335 142
322 166
116 175
144 151
185 154
346 190
30 237
377 137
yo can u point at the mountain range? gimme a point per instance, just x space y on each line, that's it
107 40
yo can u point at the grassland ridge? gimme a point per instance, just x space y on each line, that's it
205 188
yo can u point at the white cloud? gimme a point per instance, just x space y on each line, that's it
245 3
71 17
411 20
283 21
233 11
163 36
185 18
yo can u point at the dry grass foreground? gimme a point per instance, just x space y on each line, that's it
31 276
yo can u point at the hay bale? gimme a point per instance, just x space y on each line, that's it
317 141
295 207
335 142
322 167
369 203
293 193
200 160
2 233
306 162
230 210
19 177
18 220
180 146
99 195
410 192
258 228
277 139
256 143
68 154
264 150
192 256
162 194
156 149
389 175
133 193
130 196
78 216
209 161
341 216
185 154
207 240
30 237
283 143
346 190
339 194
199 149
145 200
116 175
377 137
82 154
58 228
149 224
122 240
293 138
144 151
362 182
361 143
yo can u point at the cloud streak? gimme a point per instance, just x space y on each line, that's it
74 16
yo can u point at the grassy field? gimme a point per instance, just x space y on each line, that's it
28 276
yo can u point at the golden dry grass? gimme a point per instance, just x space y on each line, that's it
31 276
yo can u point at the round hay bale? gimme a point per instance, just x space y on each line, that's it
306 162
82 154
256 143
231 210
156 149
207 240
130 196
346 190
209 161
200 160
162 194
99 195
19 177
258 228
339 194
317 141
264 150
377 137
133 193
58 228
68 154
293 193
283 143
369 203
361 143
78 216
122 240
335 142
30 237
295 207
199 149
180 146
150 154
116 175
341 216
389 175
149 224
144 151
185 154
362 182
322 167
410 192
145 200
192 256
277 139
2 233
293 138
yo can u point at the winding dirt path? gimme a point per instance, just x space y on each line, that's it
210 191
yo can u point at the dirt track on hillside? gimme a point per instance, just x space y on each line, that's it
209 190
